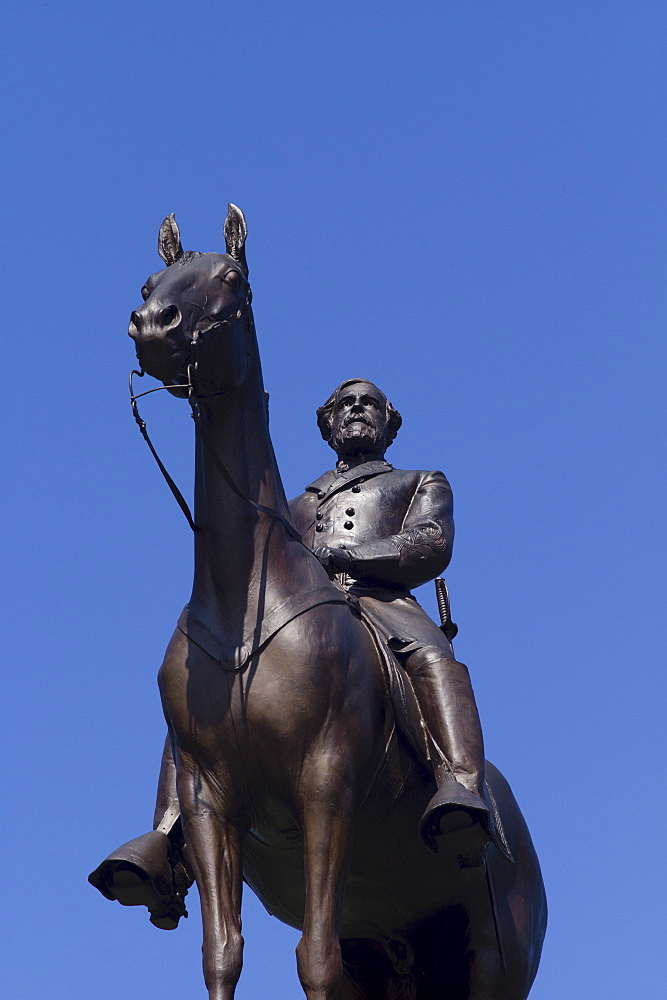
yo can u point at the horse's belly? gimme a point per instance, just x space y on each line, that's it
381 899
394 881
273 868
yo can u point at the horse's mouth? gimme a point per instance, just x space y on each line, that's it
168 370
164 373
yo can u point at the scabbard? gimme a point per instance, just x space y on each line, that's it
447 626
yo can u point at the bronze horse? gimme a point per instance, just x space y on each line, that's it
291 772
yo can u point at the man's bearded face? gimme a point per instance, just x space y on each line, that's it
359 420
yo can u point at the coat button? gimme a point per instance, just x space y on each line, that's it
320 495
350 511
319 515
356 488
348 525
319 527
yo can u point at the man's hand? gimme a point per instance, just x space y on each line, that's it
338 559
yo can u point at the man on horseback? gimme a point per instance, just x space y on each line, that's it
381 531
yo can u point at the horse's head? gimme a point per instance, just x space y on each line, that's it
196 309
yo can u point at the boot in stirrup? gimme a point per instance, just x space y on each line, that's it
456 822
148 871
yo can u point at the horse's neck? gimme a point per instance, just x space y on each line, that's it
235 546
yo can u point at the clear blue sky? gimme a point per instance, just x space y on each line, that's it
463 201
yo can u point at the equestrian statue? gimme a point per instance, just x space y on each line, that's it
323 742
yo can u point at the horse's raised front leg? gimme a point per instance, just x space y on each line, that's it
326 825
214 851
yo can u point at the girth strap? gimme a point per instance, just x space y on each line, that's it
233 657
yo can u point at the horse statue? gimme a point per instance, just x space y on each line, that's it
293 770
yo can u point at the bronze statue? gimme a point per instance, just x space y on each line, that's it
317 718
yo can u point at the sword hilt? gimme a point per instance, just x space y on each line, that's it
447 626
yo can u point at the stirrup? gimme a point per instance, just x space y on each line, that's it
456 822
148 871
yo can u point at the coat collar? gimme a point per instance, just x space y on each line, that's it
332 481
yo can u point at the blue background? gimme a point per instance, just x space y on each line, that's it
458 200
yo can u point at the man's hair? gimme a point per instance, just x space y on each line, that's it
325 412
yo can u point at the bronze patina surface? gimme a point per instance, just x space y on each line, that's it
323 741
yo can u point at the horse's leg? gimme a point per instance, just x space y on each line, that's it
370 975
488 980
214 851
326 824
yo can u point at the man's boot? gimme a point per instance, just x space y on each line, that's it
148 871
457 819
151 870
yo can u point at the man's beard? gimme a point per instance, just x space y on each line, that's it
366 436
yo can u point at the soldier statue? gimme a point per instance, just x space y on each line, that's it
379 532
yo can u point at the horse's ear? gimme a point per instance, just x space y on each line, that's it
169 241
235 231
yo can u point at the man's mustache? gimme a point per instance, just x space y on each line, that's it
357 417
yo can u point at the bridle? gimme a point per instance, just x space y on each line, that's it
193 399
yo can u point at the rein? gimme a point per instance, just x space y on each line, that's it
141 424
193 400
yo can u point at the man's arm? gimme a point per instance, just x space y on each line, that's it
420 551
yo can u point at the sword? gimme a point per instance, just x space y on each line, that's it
447 626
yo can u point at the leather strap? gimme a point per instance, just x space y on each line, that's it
215 458
178 496
235 657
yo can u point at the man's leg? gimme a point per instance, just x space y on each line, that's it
150 870
457 810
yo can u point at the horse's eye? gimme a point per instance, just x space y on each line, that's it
233 279
145 293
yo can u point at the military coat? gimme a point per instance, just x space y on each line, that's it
398 527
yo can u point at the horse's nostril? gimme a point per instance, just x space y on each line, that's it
151 323
168 315
133 329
